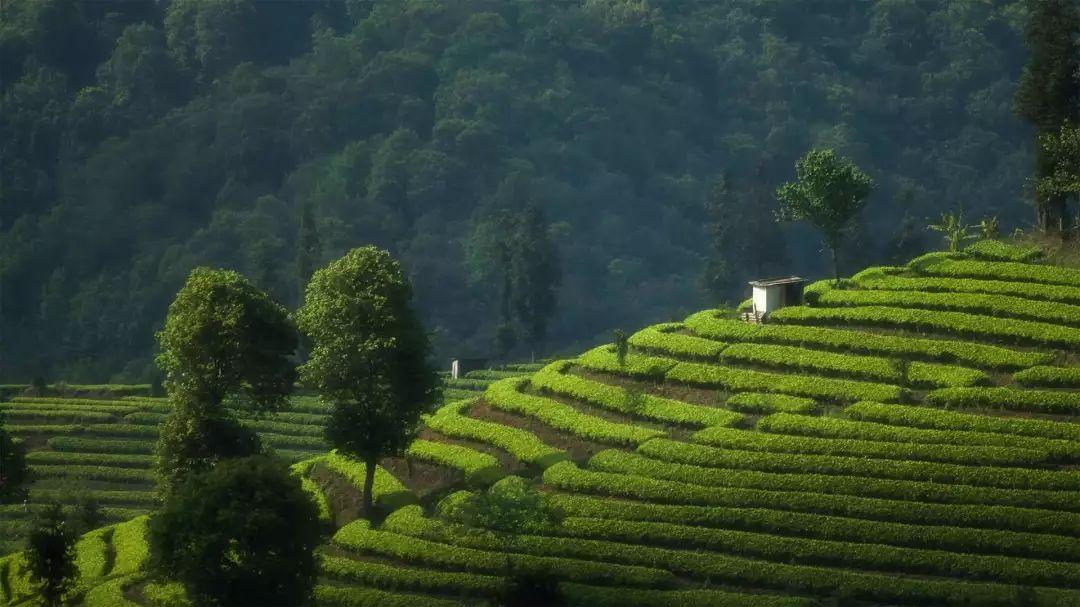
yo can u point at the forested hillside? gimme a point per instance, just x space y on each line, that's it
141 139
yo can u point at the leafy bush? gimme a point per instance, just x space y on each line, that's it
555 379
731 438
801 359
663 339
1003 270
976 303
1026 290
1052 377
90 555
95 473
166 594
603 358
93 459
110 593
100 445
521 444
387 491
121 430
995 250
860 465
956 323
383 575
358 536
743 380
277 427
708 324
931 374
606 596
506 395
102 496
479 468
130 542
934 419
57 415
766 520
1044 401
371 597
758 402
914 491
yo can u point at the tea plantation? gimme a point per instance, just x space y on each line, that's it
909 437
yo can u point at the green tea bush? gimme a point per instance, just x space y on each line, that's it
1051 377
996 250
767 520
662 339
316 443
555 379
280 428
976 303
759 402
731 438
102 496
110 593
146 418
387 491
807 551
934 419
130 543
935 472
90 555
478 467
603 358
100 445
744 380
812 361
343 596
606 596
1028 290
135 430
22 415
1003 270
95 473
506 395
493 374
981 355
21 429
521 444
394 577
1043 401
946 376
92 459
476 385
915 491
954 323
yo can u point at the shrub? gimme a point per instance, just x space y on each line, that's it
767 520
110 593
662 339
731 438
521 444
860 465
1043 401
758 402
506 395
800 359
90 555
567 476
1052 377
130 543
1027 290
914 491
371 597
934 419
975 303
995 250
606 596
930 374
385 575
95 473
479 468
100 445
1003 270
93 459
708 324
555 379
742 380
603 358
387 491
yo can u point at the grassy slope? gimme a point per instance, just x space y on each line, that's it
692 474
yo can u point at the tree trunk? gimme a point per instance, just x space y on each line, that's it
835 265
369 485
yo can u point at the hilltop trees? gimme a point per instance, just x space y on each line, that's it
1048 95
50 557
225 345
1062 152
368 357
828 192
242 534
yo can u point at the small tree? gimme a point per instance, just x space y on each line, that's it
242 534
989 227
1062 152
226 345
953 228
369 357
622 346
13 470
308 248
87 514
50 557
828 192
535 275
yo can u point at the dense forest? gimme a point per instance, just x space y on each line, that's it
143 139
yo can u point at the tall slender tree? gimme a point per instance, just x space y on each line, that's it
1049 93
308 249
369 357
49 558
13 470
535 275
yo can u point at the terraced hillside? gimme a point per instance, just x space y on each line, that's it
910 437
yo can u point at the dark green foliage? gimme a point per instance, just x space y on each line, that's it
50 556
193 440
242 534
143 139
535 275
13 470
828 192
369 356
308 249
622 346
87 514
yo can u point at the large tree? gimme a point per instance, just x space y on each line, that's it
535 275
225 346
1062 150
828 192
13 470
1048 95
49 557
242 534
369 357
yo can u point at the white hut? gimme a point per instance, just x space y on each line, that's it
775 293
